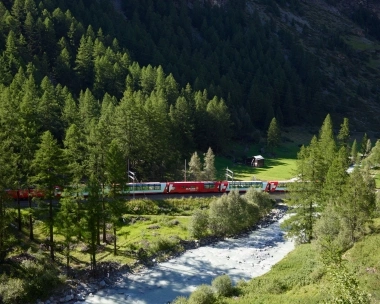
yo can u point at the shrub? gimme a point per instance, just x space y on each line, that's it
12 291
228 214
164 244
198 224
261 199
202 295
223 285
180 300
142 207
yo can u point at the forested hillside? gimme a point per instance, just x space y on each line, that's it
296 60
92 92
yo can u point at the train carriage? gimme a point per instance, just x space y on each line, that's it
277 186
196 187
243 186
144 188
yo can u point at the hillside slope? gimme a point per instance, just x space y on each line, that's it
332 56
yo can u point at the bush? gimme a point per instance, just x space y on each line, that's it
228 214
198 224
139 206
202 295
12 291
180 300
261 199
223 285
164 244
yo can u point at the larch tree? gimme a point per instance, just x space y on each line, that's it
344 133
357 203
67 222
49 170
195 167
7 177
273 135
116 177
209 171
305 193
354 152
336 177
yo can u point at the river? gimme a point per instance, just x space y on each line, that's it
242 259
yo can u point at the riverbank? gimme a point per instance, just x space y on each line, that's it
242 258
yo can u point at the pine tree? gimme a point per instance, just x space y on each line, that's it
358 203
209 170
354 152
66 222
344 133
195 167
84 62
7 178
49 169
273 135
90 220
363 146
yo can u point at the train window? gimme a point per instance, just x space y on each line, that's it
209 186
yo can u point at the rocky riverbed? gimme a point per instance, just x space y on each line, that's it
249 255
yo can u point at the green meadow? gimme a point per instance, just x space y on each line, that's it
278 165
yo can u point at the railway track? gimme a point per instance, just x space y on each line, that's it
277 196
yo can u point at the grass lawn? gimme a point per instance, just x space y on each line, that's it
279 165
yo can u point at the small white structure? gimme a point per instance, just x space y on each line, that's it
258 161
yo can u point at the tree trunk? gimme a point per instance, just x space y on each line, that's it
18 210
51 232
31 236
114 241
104 216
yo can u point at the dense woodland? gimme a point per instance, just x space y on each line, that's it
88 93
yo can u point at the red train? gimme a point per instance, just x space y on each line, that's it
184 187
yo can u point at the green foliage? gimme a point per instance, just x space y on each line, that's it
180 300
345 288
163 244
223 285
39 276
198 227
262 200
195 167
202 295
142 206
209 170
12 290
332 237
273 135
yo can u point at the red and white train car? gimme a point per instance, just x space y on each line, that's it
196 187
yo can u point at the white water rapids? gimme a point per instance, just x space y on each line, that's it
242 259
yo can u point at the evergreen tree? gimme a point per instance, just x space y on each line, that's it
116 178
90 220
354 152
66 222
358 203
84 62
273 135
195 167
363 146
49 169
209 170
7 178
305 194
344 133
336 177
